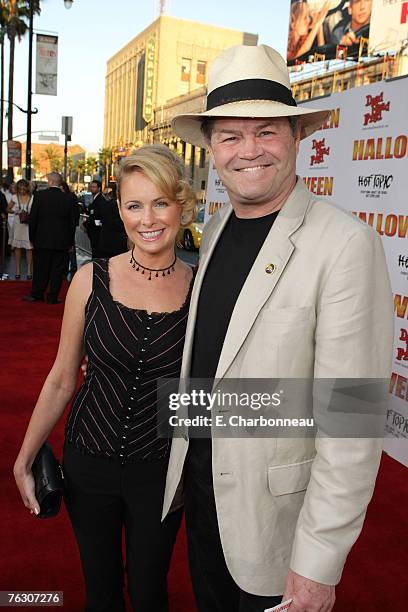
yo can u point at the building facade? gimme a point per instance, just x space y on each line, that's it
168 59
48 157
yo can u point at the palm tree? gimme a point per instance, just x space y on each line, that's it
91 165
54 158
2 37
57 165
14 16
79 167
105 160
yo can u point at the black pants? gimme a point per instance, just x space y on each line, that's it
214 588
49 268
103 496
94 235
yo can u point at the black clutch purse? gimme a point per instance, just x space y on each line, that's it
49 482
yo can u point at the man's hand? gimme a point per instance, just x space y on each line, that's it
308 595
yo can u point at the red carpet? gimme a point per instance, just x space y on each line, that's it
41 555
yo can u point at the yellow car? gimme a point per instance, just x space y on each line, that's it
190 237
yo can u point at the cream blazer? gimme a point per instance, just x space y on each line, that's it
326 311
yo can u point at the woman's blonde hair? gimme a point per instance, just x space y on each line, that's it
166 171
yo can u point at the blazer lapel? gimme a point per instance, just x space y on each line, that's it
274 255
224 213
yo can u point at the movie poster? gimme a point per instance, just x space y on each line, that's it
319 26
389 25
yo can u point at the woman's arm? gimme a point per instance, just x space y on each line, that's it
59 386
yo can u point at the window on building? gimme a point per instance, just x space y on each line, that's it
185 69
201 72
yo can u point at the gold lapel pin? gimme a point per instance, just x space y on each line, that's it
270 268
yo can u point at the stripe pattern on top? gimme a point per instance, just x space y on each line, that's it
114 414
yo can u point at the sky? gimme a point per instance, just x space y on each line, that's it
94 30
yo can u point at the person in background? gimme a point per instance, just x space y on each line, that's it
92 225
129 313
73 266
3 204
349 30
5 189
113 239
52 231
305 27
20 205
5 247
3 231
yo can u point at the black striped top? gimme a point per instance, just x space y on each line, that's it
115 410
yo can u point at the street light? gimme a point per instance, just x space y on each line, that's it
67 4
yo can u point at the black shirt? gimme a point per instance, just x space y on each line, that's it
114 413
230 264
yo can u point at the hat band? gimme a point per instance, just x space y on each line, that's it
250 89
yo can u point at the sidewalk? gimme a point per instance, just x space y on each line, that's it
10 266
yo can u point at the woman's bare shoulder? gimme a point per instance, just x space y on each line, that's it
81 284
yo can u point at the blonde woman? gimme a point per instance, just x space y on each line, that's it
129 314
20 205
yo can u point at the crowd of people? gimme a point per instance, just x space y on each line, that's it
40 225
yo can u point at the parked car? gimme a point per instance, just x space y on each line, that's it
190 237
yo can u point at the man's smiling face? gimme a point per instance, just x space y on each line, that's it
256 160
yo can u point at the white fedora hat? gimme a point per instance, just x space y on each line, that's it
248 81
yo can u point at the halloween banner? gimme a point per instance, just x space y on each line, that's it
358 159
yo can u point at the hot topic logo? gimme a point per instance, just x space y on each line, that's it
402 261
320 151
378 107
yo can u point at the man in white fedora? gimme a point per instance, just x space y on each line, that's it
291 286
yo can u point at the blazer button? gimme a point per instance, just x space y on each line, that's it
270 268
